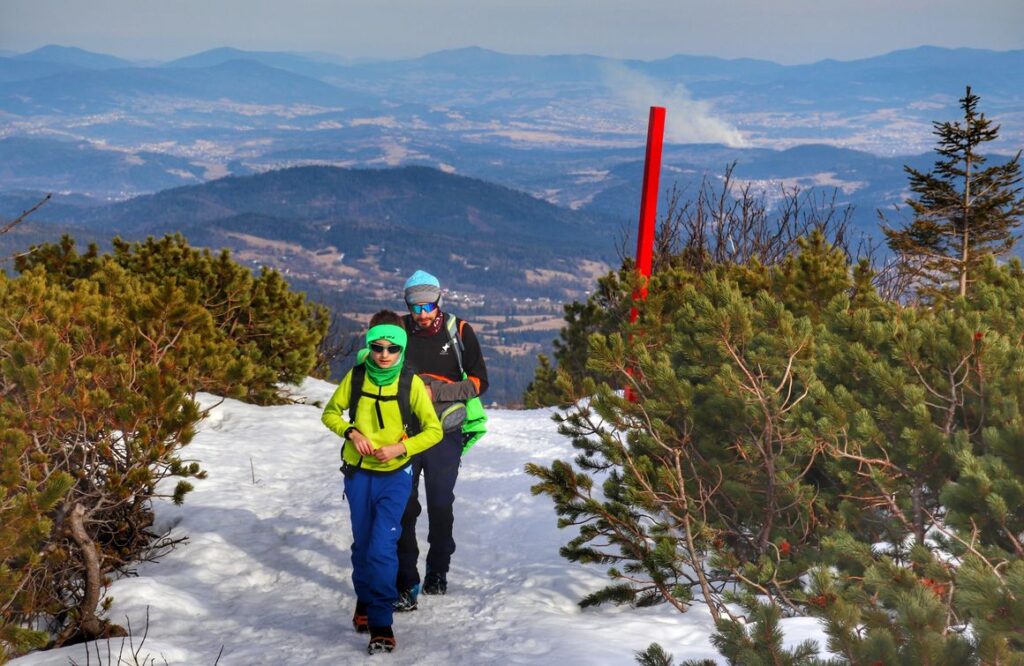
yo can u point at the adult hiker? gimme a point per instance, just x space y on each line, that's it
445 353
386 418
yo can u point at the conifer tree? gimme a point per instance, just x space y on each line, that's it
267 334
963 211
543 390
758 642
793 425
790 422
27 501
708 471
928 401
95 411
100 357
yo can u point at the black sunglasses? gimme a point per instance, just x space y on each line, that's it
380 349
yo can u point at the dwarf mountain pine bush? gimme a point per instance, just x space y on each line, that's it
269 334
100 357
800 445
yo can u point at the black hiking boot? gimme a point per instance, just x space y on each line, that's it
406 600
382 639
360 620
435 583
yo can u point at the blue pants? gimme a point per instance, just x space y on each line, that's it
376 502
439 466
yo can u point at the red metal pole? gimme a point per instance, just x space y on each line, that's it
648 210
649 199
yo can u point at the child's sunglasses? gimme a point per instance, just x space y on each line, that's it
380 349
423 307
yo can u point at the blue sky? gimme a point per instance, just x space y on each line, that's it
786 31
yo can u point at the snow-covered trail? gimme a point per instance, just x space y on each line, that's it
265 574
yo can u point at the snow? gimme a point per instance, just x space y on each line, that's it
265 574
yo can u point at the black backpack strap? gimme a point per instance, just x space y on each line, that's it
410 421
358 375
355 391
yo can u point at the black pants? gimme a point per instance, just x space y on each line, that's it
439 466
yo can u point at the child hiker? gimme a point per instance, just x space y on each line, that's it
385 417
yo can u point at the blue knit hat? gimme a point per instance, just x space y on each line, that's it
422 287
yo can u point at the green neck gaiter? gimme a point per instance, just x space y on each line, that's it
393 335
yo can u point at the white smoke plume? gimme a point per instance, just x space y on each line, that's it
686 120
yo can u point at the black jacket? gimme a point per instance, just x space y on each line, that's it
434 360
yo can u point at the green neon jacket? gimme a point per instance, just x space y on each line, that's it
335 417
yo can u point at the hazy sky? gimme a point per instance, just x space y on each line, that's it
786 31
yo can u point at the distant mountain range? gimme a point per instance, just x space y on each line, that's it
604 184
474 78
73 57
897 76
566 128
515 178
82 90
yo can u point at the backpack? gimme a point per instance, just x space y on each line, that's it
475 425
410 422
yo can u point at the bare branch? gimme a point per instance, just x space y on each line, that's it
21 218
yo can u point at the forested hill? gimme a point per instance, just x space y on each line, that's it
420 198
482 236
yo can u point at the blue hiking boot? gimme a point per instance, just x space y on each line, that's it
406 600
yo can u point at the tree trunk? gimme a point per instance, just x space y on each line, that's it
88 623
966 216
